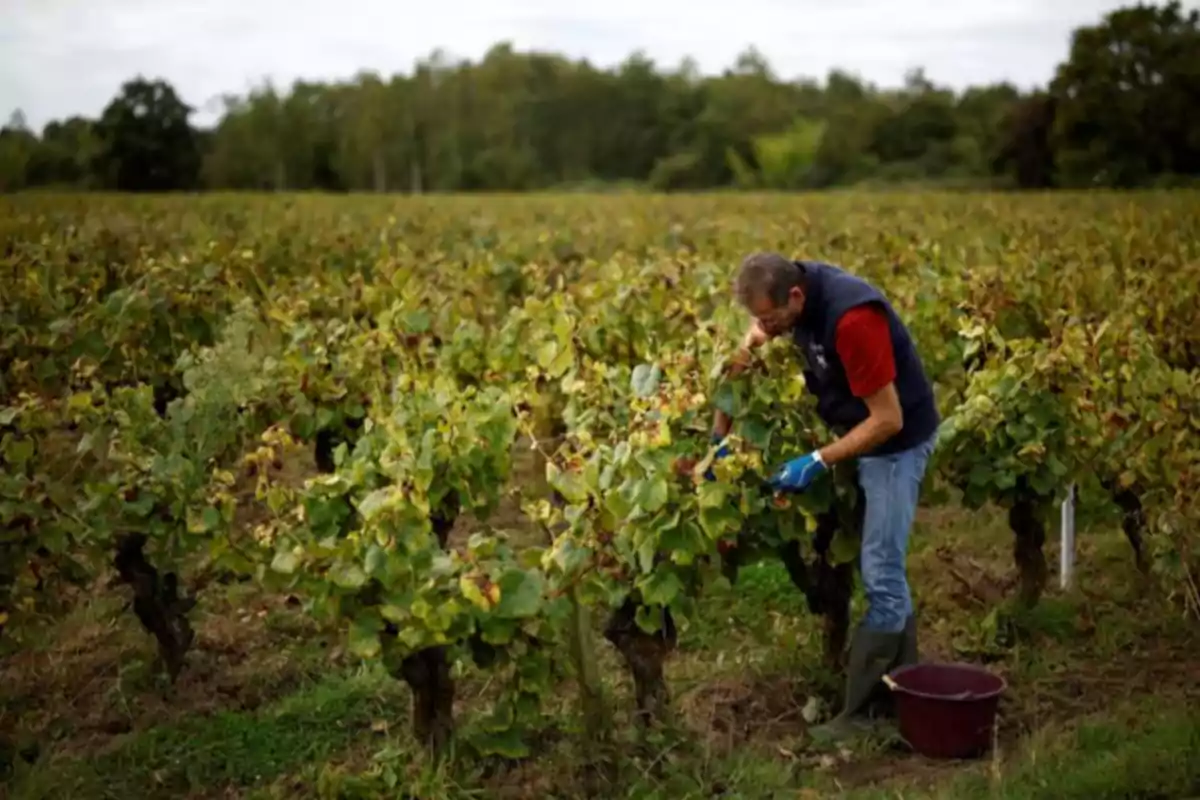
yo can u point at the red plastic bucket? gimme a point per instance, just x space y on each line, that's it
946 710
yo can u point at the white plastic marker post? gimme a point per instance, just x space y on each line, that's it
1066 561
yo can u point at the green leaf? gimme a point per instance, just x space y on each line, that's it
844 548
506 744
143 505
645 379
520 594
375 560
648 618
211 517
19 451
498 630
725 399
364 637
1057 467
660 587
374 501
569 484
646 553
980 475
347 575
563 361
712 494
652 493
569 555
1043 483
546 354
285 562
606 477
720 521
756 432
393 613
7 415
617 504
1005 479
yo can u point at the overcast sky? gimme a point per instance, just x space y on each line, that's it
63 57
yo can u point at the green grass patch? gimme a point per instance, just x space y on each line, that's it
1140 752
227 748
747 610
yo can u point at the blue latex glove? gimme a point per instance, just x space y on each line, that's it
723 451
797 474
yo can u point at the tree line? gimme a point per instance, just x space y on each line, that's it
1122 110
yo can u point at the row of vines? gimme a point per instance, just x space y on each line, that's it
164 359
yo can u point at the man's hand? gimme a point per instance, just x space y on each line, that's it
797 474
754 338
685 465
722 451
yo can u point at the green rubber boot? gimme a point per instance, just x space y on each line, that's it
883 702
872 655
909 653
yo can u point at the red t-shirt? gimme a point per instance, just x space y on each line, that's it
864 345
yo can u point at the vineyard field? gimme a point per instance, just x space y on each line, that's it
362 496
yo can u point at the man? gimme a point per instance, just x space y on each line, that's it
872 391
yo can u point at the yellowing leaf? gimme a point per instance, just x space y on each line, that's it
471 591
285 562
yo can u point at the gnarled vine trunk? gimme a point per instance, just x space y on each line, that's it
826 586
157 601
1133 521
1025 518
427 672
644 654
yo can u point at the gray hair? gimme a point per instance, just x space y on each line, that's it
767 274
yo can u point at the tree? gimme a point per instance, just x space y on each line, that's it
1128 98
1124 110
1025 151
146 140
66 154
17 150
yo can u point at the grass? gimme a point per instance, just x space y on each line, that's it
1144 749
228 748
1102 679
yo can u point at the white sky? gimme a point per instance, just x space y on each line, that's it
63 57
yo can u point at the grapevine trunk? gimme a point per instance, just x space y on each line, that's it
1025 520
159 606
427 672
645 655
1133 521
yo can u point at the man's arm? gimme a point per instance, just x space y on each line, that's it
864 345
884 421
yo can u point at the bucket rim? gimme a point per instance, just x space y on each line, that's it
949 698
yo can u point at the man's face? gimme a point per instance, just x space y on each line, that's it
777 319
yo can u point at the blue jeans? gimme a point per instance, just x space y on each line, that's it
892 485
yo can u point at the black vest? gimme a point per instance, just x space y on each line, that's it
829 293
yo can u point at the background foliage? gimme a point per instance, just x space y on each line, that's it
1123 109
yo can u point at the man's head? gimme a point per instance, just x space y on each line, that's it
772 290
